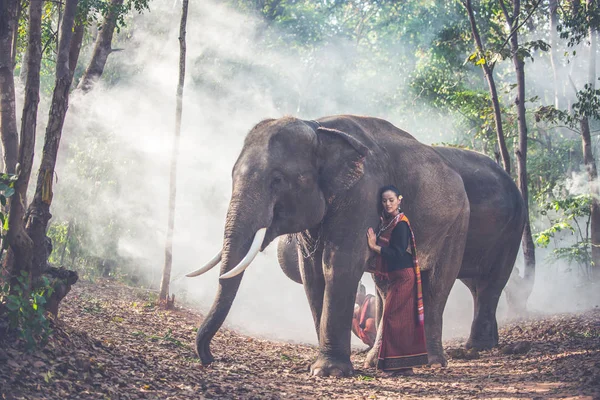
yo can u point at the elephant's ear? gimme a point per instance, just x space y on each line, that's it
341 161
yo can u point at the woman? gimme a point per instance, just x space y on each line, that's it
403 340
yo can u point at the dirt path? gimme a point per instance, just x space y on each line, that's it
112 342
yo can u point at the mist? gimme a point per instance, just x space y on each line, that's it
116 146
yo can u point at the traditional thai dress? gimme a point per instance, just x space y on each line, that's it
403 341
363 324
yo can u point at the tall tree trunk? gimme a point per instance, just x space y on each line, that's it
21 245
15 34
554 61
39 209
519 64
8 115
102 48
75 47
592 172
166 276
588 157
489 76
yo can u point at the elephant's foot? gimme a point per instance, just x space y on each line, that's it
484 336
371 360
482 343
327 366
437 360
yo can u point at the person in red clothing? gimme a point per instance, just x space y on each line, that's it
403 340
363 321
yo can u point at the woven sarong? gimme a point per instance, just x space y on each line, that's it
403 341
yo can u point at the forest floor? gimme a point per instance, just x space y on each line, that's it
111 341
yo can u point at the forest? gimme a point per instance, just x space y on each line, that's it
121 121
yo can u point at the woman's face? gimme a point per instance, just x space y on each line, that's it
390 202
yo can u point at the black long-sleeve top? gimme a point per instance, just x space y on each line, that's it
395 254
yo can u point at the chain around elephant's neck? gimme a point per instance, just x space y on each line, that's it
305 246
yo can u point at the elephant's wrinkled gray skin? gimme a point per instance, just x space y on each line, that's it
322 180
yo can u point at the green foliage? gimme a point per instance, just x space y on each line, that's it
92 11
7 183
25 310
586 106
570 214
577 18
88 12
169 338
552 155
588 103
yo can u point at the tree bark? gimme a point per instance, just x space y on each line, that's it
102 48
8 116
519 64
489 76
75 47
15 34
166 276
21 245
39 209
592 172
589 161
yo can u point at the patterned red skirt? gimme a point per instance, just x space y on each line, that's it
403 341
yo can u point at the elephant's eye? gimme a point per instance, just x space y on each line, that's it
277 182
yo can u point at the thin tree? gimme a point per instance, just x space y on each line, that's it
166 276
8 118
102 48
15 33
21 245
521 153
586 139
38 213
488 71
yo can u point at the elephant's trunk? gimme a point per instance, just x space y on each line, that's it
240 230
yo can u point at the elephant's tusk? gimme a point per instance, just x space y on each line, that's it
254 249
210 265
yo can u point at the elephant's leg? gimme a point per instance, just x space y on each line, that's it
342 272
484 330
379 308
472 285
488 289
435 295
311 271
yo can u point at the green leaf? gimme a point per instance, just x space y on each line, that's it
9 192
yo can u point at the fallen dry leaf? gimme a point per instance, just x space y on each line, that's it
111 342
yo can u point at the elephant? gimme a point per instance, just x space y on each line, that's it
314 184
